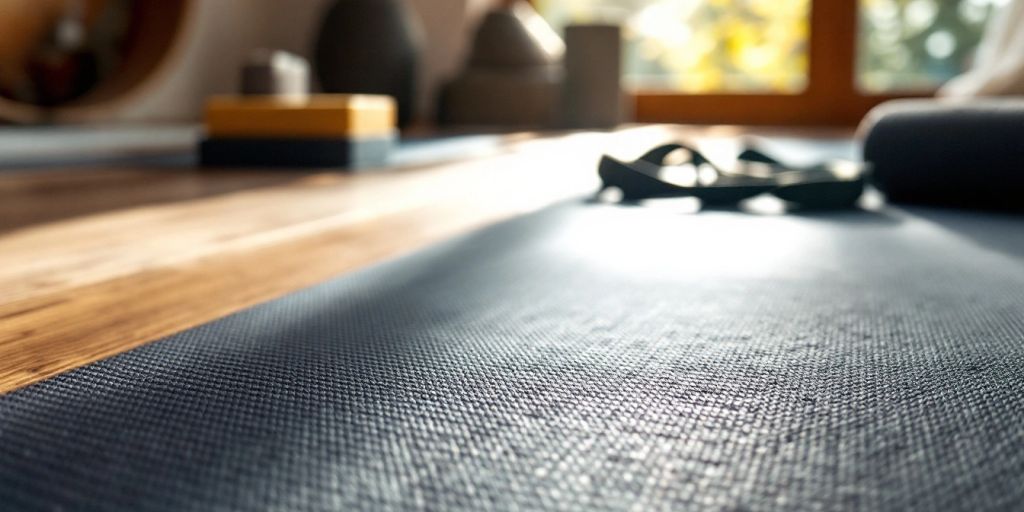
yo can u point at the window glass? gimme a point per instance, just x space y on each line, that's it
702 46
907 45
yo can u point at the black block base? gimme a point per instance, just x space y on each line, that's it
244 152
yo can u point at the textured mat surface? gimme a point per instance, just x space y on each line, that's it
587 357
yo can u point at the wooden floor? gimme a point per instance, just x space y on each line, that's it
96 261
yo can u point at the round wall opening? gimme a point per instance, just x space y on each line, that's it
59 56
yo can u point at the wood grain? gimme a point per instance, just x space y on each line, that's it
143 253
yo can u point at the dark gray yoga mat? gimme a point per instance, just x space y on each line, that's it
584 357
967 153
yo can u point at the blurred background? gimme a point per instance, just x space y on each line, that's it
762 45
705 61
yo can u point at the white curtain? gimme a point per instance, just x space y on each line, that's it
998 68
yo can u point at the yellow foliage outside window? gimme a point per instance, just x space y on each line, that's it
761 46
701 46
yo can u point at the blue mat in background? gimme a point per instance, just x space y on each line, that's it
162 146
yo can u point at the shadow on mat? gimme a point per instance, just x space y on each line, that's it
986 229
761 207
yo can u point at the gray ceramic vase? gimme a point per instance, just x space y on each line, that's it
513 75
372 47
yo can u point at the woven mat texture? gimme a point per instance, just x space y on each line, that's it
589 357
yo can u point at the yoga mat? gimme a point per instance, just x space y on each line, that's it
966 153
583 357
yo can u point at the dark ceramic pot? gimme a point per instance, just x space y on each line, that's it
372 47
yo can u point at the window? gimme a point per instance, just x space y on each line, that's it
914 45
781 61
703 46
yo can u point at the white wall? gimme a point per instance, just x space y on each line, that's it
220 33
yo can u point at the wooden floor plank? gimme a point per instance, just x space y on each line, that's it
110 277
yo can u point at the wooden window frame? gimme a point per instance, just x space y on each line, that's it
831 97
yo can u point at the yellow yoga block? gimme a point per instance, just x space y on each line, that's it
312 116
